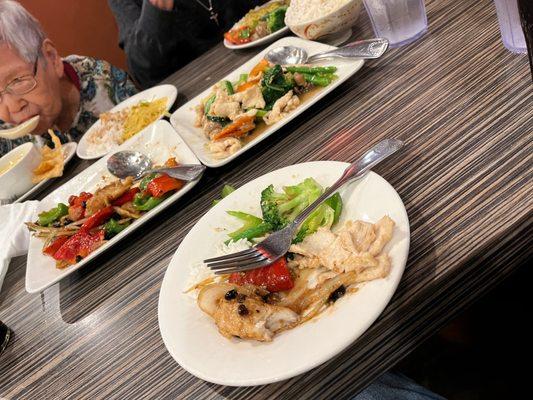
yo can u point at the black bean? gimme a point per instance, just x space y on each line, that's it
337 294
242 310
79 258
241 297
230 295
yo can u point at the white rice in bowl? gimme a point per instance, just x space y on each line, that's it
302 11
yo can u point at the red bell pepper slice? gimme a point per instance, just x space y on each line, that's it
126 197
275 277
55 245
163 184
79 245
98 218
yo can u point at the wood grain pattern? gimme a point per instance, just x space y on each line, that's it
464 106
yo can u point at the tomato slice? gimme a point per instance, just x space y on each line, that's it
163 184
275 277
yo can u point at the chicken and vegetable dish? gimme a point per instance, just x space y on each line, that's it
235 110
72 231
258 23
324 263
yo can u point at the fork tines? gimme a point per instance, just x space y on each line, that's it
238 262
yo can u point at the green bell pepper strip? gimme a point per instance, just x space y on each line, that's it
112 228
209 103
242 78
143 202
146 180
46 218
319 79
311 70
261 113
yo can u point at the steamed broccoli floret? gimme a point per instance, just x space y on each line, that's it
276 19
279 209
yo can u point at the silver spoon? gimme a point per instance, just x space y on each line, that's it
366 49
133 163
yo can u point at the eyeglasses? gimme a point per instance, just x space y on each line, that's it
21 85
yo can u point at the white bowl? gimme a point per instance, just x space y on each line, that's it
17 180
337 21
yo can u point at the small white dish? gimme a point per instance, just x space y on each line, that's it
183 118
69 150
264 40
20 163
191 336
85 148
158 141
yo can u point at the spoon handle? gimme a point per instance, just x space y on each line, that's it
367 49
187 172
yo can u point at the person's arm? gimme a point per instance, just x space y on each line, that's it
148 35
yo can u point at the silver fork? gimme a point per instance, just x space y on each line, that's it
278 243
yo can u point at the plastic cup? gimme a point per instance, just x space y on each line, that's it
399 21
510 28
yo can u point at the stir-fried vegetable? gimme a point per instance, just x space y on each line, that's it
46 218
276 19
79 246
274 85
162 185
209 103
113 228
145 202
126 197
98 218
281 208
237 128
325 215
252 228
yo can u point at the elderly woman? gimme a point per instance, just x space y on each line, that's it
67 93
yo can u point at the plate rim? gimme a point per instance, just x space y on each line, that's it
171 200
358 64
171 102
340 348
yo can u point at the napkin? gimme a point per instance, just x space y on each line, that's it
14 236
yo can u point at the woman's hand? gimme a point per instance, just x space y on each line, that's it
166 5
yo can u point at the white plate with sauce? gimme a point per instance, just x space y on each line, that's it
89 151
192 337
159 142
69 149
184 117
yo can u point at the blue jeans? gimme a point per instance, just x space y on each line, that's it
394 386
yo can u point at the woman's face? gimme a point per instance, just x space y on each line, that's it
43 100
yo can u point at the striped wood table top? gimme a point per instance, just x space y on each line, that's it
464 106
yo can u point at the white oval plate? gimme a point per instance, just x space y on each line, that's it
158 141
169 91
183 118
191 336
264 40
69 149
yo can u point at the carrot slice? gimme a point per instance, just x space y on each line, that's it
246 85
237 128
260 67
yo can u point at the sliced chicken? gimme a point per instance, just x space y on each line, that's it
250 98
104 197
224 148
283 106
384 228
224 105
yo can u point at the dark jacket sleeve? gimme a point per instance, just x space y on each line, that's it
147 35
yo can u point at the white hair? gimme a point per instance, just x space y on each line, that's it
20 31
